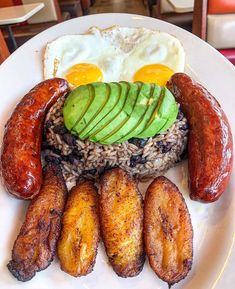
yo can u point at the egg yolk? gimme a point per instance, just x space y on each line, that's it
154 73
83 73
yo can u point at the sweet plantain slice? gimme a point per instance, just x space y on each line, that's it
77 246
35 246
168 231
121 217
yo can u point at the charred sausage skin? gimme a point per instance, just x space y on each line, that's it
210 147
20 157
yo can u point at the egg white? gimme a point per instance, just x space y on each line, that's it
118 52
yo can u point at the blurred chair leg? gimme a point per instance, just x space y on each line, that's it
11 37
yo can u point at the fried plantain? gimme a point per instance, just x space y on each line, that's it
80 234
35 246
121 217
168 231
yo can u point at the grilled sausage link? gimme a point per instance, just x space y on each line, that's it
210 147
20 157
35 246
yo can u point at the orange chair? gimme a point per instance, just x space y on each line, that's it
214 22
6 3
4 52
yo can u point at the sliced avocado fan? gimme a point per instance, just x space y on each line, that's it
110 113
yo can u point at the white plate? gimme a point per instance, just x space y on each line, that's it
214 258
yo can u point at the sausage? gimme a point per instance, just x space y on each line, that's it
80 234
35 246
168 231
121 220
210 146
20 156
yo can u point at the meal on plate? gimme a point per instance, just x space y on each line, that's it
115 108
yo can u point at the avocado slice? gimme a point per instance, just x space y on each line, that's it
112 100
129 92
115 89
154 95
137 112
109 133
173 112
98 91
160 114
76 105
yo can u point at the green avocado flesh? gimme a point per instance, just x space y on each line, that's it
160 116
99 99
143 95
76 105
103 112
110 113
113 130
173 112
154 93
129 91
115 91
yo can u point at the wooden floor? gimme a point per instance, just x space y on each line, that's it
118 6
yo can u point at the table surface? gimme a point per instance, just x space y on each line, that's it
19 13
182 6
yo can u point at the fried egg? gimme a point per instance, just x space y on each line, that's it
114 54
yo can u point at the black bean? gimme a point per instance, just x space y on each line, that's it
142 160
103 169
139 142
180 115
45 145
135 158
71 158
69 139
132 164
91 172
60 129
65 158
159 144
52 159
77 154
184 127
48 124
54 150
166 148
